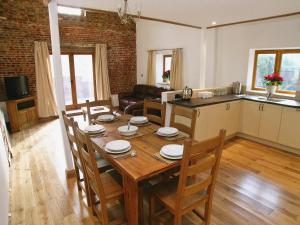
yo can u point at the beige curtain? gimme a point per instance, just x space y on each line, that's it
151 75
176 69
46 105
101 70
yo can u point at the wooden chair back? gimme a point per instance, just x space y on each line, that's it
88 159
104 103
157 106
207 155
70 129
184 114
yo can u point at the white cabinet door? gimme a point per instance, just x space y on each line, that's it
232 117
270 122
250 118
202 123
289 133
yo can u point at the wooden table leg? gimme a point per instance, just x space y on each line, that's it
131 198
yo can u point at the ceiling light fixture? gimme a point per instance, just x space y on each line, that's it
214 23
124 13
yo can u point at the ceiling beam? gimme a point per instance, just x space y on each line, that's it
255 20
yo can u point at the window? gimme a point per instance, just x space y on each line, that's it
167 63
69 11
285 62
78 78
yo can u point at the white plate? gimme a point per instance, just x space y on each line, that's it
167 131
119 152
169 157
106 117
117 145
138 119
94 128
172 150
124 130
164 135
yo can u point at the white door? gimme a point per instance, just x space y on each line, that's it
250 118
232 117
289 133
202 123
270 122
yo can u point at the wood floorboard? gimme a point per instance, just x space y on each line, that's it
256 185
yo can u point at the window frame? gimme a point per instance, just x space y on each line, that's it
278 61
75 104
164 61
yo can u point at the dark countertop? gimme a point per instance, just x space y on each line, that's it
199 102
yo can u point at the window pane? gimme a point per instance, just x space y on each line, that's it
168 61
290 68
83 65
66 77
265 65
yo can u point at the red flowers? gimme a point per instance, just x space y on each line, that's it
273 79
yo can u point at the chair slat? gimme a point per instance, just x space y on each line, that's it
198 187
150 105
202 165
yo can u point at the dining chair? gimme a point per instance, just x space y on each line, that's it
104 188
93 109
182 195
155 111
183 119
103 165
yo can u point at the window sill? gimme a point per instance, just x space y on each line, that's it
278 95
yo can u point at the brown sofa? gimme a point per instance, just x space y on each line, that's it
133 101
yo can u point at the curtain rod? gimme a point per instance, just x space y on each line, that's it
163 49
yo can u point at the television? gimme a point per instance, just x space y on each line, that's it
16 87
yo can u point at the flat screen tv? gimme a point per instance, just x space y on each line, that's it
16 87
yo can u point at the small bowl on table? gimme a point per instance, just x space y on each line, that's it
127 130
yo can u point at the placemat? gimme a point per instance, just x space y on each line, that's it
180 136
162 159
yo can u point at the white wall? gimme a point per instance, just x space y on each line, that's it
233 43
4 175
156 35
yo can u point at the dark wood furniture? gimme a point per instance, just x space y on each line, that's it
186 114
186 194
101 186
155 111
22 113
135 170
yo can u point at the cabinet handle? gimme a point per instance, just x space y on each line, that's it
199 112
298 110
229 106
262 107
259 107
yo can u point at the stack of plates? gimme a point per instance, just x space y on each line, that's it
139 120
118 146
167 131
127 132
94 129
172 151
106 118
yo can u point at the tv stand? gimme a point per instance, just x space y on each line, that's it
22 113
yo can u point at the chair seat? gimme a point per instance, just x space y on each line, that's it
166 192
112 188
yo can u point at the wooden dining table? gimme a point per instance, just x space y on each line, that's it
135 170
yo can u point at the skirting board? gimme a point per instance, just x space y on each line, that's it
269 143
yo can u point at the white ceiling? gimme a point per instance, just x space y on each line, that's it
197 12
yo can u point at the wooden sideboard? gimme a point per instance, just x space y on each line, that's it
22 113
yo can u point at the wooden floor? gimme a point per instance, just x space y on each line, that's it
257 185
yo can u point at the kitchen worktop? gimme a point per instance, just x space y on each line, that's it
199 102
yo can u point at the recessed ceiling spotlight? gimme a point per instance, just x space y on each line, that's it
214 23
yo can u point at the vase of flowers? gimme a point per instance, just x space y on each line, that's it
166 76
272 81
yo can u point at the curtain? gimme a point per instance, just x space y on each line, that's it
176 69
101 72
151 68
46 105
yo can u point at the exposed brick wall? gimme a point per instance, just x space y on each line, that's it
24 21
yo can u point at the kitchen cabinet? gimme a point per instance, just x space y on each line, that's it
210 119
270 122
261 120
251 115
289 134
